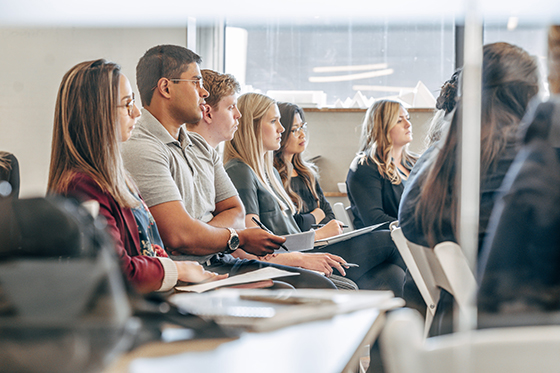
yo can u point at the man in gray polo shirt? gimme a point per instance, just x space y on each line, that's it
199 216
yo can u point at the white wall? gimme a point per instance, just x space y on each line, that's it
32 63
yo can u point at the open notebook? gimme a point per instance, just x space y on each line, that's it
349 235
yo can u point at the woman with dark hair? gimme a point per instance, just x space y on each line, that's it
96 111
376 178
519 263
299 177
445 103
9 175
428 210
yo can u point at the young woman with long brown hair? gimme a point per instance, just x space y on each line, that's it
95 111
299 177
428 210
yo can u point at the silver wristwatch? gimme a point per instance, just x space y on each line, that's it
233 242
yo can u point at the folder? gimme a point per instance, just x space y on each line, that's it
349 235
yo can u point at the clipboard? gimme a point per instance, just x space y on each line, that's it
348 235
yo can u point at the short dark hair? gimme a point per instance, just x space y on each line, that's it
161 61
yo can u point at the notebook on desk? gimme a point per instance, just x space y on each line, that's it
265 310
349 235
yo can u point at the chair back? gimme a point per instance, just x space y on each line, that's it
512 349
452 273
342 214
443 267
417 263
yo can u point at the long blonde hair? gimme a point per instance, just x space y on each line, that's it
376 144
247 146
86 133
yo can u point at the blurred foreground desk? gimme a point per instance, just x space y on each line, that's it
333 344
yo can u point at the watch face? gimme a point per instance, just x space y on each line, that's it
234 242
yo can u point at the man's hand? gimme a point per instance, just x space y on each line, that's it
259 242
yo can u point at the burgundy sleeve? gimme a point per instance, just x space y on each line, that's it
144 272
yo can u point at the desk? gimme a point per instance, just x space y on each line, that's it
332 345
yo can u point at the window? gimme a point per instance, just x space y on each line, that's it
340 59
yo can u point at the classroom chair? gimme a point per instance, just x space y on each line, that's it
344 215
512 350
443 267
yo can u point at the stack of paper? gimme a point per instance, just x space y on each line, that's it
264 310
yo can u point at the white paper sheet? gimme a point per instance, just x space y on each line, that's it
253 276
299 241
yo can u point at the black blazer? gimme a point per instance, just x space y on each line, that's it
373 198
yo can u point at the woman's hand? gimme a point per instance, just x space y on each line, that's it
321 262
193 272
332 228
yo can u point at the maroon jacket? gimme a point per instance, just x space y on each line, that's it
144 272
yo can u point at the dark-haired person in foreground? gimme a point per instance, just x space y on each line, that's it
519 265
428 209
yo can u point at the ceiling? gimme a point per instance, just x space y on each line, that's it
173 13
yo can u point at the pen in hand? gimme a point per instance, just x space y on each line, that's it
262 226
322 225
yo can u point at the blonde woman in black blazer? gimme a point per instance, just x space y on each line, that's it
377 175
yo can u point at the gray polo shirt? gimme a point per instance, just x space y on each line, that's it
165 170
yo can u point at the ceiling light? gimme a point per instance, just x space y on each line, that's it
332 69
343 78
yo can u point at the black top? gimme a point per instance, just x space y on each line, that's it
305 219
11 175
489 185
373 198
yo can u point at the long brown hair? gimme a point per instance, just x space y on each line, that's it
247 145
86 133
509 81
376 144
307 170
